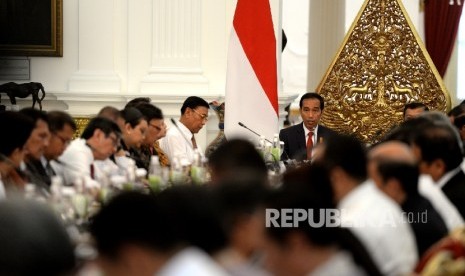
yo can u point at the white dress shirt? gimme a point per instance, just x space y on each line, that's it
191 261
379 224
74 164
340 264
175 145
2 190
440 202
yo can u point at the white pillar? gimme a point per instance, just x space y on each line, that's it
96 54
176 49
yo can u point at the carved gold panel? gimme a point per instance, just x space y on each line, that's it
381 65
81 123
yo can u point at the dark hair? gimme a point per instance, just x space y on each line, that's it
109 112
150 111
235 155
193 212
239 197
346 152
415 105
132 116
192 102
58 119
137 101
457 110
312 95
22 127
459 121
105 125
406 130
35 114
406 173
439 141
132 218
33 241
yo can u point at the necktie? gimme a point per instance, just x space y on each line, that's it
194 143
49 170
92 171
309 145
164 161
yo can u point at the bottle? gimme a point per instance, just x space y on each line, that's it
276 149
155 177
198 171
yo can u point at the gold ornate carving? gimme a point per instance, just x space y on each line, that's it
81 123
381 65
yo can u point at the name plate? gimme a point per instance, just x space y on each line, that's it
14 68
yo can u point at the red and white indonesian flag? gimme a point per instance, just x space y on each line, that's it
251 81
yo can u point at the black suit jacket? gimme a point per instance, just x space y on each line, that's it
454 189
295 144
427 225
37 175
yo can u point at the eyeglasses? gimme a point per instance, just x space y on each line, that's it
64 140
202 116
156 127
114 139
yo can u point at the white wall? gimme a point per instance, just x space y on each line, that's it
115 50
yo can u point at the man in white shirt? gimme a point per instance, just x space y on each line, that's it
98 142
179 141
439 153
138 234
373 217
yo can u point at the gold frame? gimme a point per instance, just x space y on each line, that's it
54 49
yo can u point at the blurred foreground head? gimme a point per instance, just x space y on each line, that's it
33 241
236 157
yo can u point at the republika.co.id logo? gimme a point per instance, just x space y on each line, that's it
295 217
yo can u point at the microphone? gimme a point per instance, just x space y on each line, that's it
244 126
182 133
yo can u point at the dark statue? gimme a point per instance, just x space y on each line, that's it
23 90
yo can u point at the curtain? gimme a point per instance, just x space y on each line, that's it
441 26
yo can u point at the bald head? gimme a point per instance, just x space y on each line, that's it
393 168
392 151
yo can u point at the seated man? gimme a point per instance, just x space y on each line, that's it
179 141
439 153
413 110
374 218
98 141
311 243
12 149
394 170
138 234
300 139
62 128
155 130
35 147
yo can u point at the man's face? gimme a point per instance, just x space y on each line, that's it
413 113
106 145
155 127
38 140
310 113
197 118
59 140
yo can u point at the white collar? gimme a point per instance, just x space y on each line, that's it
187 133
447 176
315 131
